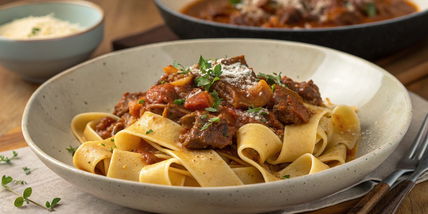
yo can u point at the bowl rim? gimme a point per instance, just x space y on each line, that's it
162 6
65 2
383 148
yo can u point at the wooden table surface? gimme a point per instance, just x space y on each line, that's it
410 66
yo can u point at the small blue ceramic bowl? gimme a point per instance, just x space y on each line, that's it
36 60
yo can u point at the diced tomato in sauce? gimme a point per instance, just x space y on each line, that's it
199 101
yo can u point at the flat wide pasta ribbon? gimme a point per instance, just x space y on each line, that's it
94 155
345 125
304 165
82 125
301 139
152 128
256 143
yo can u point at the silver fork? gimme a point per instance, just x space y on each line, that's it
407 164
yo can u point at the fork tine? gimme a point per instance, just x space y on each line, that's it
418 148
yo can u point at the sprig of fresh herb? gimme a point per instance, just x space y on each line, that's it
181 68
19 182
272 79
179 101
210 122
72 150
371 9
27 170
209 75
141 101
149 131
7 160
25 196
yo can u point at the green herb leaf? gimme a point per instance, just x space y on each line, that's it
204 64
202 81
184 71
149 131
217 70
5 180
34 31
112 140
53 203
179 101
203 117
7 160
211 109
27 170
141 101
71 150
214 120
27 193
371 9
235 2
19 202
286 177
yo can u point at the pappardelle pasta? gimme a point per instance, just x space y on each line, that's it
217 123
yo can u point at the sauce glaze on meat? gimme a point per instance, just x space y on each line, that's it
214 98
298 13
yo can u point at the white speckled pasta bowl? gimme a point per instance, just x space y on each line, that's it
384 110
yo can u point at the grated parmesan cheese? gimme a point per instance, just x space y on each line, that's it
40 27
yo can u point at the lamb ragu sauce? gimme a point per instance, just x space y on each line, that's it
212 99
298 13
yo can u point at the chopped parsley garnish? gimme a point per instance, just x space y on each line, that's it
235 2
34 31
71 150
141 101
112 140
286 177
149 131
371 9
272 79
203 117
211 109
179 101
209 75
258 110
4 159
210 122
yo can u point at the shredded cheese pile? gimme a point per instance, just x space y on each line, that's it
40 27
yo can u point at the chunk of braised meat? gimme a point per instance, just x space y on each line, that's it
164 93
198 100
104 127
307 90
233 60
174 112
122 106
148 152
239 118
288 107
201 133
